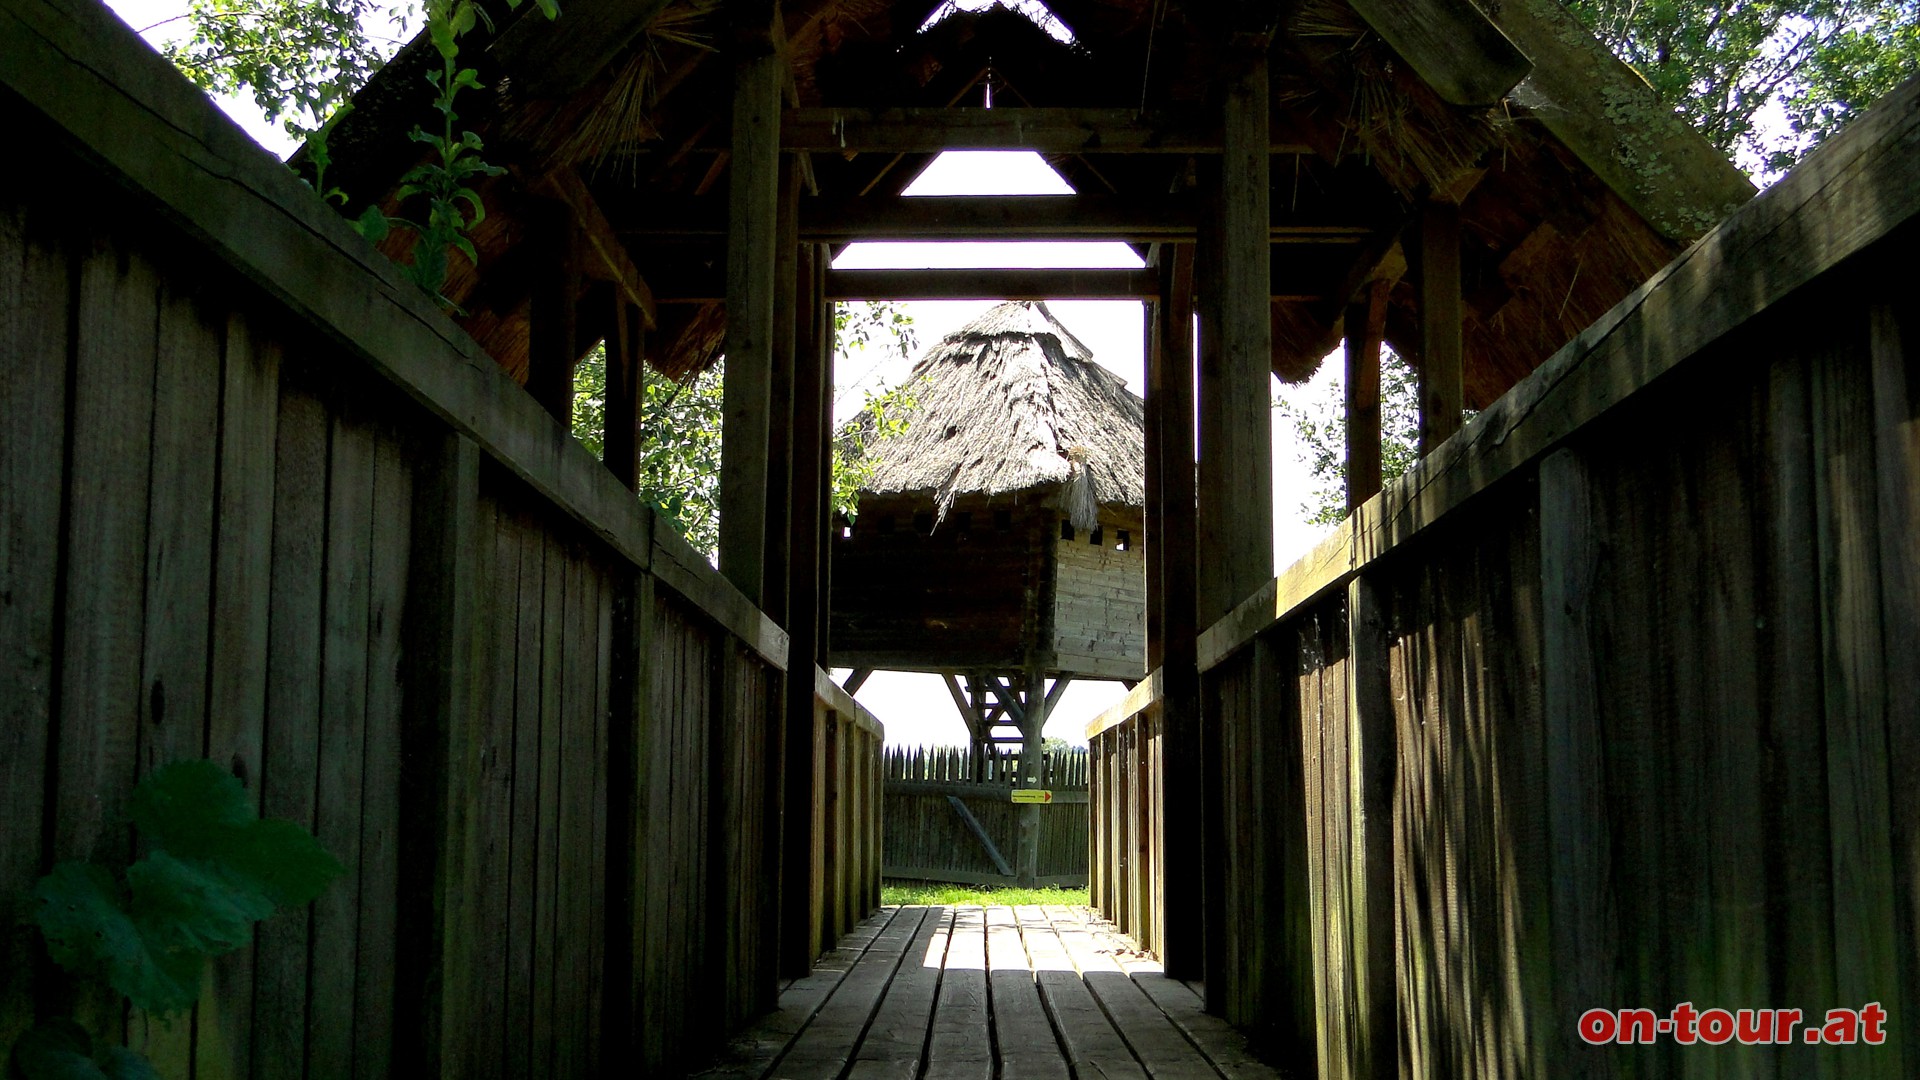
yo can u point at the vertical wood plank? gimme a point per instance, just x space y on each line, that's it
549 717
291 750
1894 344
180 497
1369 784
518 1033
447 773
35 297
1854 680
1582 913
237 669
111 416
374 994
342 740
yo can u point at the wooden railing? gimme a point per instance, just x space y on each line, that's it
1126 852
951 816
261 501
847 744
1608 702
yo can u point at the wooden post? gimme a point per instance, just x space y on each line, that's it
1035 703
1170 546
1366 326
807 551
752 237
1236 355
1370 761
626 388
553 333
786 422
1234 551
1442 395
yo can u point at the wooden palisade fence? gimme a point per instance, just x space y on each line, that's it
261 502
1610 702
950 816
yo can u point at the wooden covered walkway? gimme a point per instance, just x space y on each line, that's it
970 993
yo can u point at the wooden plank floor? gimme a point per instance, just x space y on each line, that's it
987 993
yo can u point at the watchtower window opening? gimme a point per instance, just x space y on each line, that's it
1003 521
923 523
1066 530
886 525
963 522
1094 537
1126 541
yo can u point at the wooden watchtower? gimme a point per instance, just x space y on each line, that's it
998 542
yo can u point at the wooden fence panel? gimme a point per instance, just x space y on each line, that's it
927 839
261 502
1627 675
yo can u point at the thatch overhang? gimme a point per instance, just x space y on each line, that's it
1574 185
1013 402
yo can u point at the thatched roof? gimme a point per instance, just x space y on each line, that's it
1014 402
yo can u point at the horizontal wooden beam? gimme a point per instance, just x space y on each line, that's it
1161 218
1451 45
992 284
1049 131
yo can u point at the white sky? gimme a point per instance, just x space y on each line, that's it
916 708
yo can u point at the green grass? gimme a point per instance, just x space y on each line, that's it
922 892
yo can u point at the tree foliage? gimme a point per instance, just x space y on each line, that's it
298 59
1722 64
680 424
1320 424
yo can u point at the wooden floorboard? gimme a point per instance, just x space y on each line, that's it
988 993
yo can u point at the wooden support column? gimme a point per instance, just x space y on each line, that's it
1172 613
806 602
1442 393
626 388
1236 356
752 240
1366 327
1234 551
1034 705
1371 760
553 332
786 419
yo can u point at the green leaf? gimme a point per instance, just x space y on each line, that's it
120 1063
88 929
373 224
190 807
56 1050
195 905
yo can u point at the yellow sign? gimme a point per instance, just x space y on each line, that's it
1032 795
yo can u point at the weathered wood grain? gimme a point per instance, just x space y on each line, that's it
238 643
342 737
291 750
34 301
